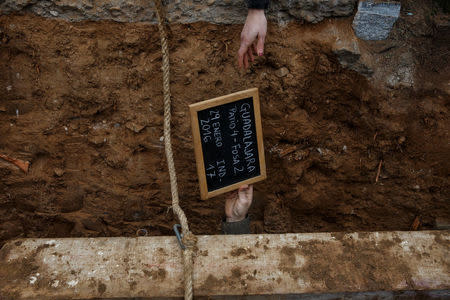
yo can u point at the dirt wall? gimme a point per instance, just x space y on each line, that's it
83 103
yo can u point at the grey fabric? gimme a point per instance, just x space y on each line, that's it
240 227
258 4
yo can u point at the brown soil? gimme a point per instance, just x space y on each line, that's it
83 103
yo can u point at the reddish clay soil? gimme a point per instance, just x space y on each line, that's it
83 103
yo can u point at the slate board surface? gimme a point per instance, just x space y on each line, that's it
229 143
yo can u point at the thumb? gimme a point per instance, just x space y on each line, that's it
245 195
260 45
243 187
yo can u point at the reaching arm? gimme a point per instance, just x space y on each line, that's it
254 32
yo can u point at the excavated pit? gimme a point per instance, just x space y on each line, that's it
83 103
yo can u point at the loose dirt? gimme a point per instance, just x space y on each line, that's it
83 103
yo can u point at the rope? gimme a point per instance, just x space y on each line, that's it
189 239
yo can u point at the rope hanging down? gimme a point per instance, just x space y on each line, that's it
189 239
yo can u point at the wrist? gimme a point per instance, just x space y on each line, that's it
234 219
255 12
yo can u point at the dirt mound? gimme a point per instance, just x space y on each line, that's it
83 103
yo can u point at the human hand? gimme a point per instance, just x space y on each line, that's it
255 28
238 203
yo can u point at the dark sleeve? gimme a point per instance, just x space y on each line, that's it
241 227
258 4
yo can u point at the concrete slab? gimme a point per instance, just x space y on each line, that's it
87 268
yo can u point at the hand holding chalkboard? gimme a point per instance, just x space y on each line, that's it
238 202
228 142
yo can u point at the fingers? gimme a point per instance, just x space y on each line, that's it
249 192
244 55
246 51
238 202
230 195
243 187
230 202
242 205
250 54
245 60
245 194
246 187
260 45
254 49
241 54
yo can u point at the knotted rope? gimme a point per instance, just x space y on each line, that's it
189 239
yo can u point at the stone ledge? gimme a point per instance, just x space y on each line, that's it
189 11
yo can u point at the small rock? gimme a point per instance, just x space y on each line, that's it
93 224
59 172
282 72
416 187
210 2
401 140
307 16
54 104
263 75
96 140
135 127
350 57
54 13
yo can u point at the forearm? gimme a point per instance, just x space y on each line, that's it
258 4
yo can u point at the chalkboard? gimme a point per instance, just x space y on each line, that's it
228 142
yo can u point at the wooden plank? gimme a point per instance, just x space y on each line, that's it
199 155
226 265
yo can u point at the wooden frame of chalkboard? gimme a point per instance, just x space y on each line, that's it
250 96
